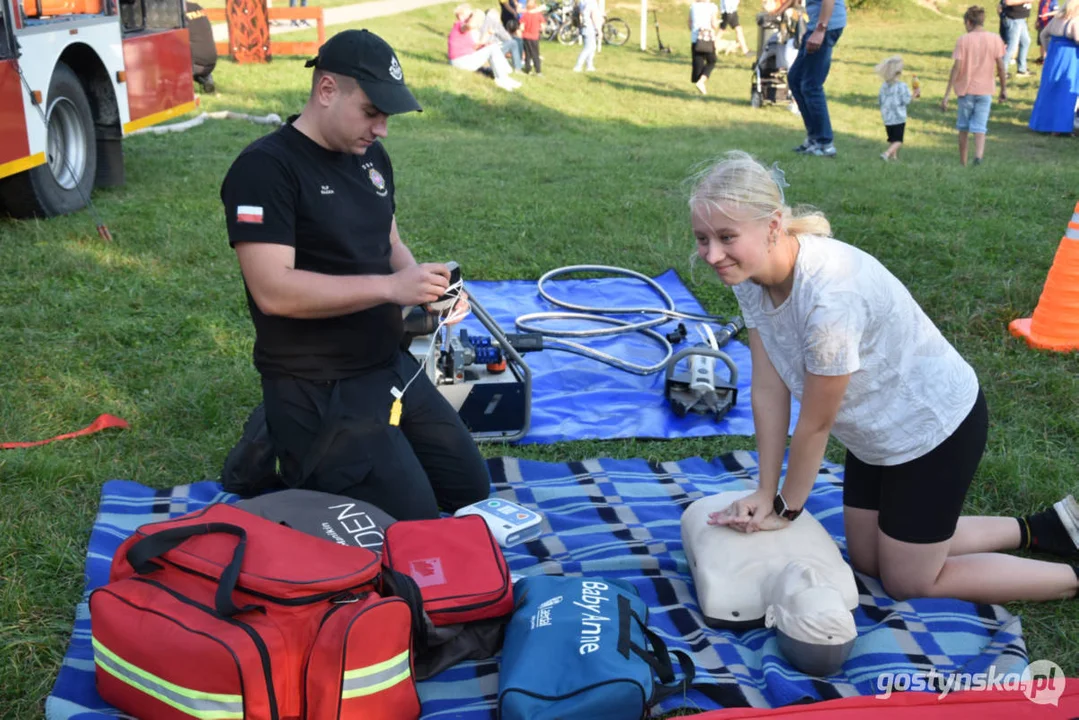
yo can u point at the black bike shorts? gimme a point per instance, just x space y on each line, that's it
920 501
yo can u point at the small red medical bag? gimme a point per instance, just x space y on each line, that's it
457 564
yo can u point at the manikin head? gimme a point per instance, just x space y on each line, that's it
814 628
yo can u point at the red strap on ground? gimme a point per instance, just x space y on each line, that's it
101 423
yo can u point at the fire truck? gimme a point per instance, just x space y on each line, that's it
76 77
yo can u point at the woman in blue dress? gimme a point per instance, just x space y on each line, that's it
1054 108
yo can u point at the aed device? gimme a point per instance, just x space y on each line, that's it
510 523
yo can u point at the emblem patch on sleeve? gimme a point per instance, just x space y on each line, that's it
249 214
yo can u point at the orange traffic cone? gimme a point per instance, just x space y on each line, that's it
1055 324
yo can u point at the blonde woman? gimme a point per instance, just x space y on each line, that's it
894 96
830 325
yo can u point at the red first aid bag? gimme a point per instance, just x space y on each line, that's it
221 613
457 564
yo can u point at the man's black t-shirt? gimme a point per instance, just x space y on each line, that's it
336 209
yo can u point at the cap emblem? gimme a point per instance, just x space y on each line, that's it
395 70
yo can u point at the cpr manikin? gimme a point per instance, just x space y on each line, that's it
793 579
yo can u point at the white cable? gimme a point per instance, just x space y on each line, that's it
443 320
271 119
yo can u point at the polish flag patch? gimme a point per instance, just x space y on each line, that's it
249 214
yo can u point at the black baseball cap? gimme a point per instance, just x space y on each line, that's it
367 58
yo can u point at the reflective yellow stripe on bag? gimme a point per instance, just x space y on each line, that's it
202 705
376 678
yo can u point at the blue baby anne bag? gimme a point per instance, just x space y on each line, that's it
579 647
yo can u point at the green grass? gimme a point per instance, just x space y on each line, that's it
573 168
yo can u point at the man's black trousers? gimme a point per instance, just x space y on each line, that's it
335 436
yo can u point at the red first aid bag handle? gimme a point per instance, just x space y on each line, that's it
142 553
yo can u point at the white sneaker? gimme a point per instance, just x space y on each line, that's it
507 84
1068 510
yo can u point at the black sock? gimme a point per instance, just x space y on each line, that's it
1024 534
1047 534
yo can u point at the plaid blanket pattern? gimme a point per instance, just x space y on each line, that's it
620 518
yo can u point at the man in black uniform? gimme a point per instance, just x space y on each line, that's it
203 49
310 211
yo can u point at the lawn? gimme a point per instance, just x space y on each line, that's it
572 168
284 3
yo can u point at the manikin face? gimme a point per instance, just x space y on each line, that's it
736 249
353 123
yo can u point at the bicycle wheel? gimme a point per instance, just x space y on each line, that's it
568 34
616 31
550 27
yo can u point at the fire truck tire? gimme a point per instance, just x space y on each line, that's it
60 185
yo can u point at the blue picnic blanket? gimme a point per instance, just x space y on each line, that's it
580 398
620 518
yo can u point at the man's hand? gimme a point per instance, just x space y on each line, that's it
751 513
944 104
419 284
815 41
1003 95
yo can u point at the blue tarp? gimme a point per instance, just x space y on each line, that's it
579 398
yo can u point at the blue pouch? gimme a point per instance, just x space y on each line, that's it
580 647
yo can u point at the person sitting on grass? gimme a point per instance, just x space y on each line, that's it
465 54
491 32
830 325
976 54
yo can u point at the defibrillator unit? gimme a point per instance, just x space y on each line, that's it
510 523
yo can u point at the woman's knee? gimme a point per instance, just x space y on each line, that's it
910 570
864 562
903 586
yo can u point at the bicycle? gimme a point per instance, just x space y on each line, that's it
615 31
558 14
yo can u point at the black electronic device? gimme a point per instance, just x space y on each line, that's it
453 291
484 378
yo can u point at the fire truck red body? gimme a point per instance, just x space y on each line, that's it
76 77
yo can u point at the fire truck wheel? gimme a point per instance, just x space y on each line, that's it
61 185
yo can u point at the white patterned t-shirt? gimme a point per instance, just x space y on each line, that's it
894 98
701 17
847 314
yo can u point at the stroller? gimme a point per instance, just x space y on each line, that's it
778 40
